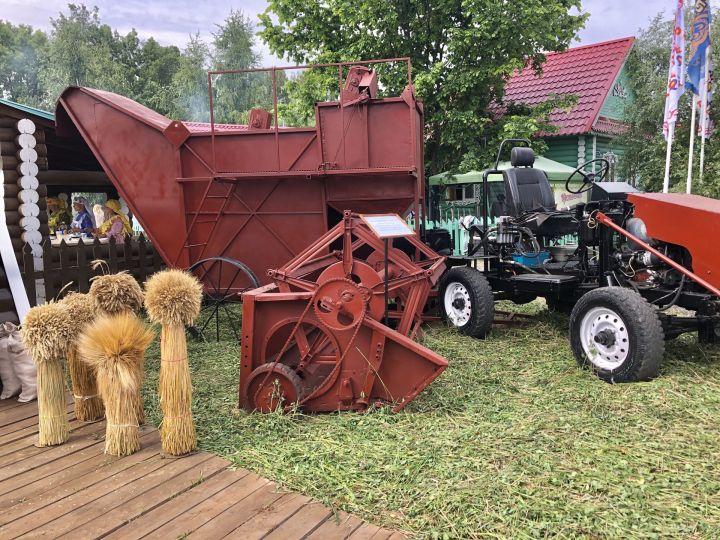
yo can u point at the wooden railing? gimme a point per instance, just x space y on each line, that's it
68 267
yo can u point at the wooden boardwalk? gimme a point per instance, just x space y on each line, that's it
75 491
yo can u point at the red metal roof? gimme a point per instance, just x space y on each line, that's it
587 72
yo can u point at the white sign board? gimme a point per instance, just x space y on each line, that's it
387 225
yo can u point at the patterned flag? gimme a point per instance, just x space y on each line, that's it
699 42
709 127
676 73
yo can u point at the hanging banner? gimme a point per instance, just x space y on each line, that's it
676 72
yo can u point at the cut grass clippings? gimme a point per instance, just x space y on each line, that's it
512 441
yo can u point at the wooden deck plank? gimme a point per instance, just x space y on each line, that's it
236 514
55 473
158 517
11 416
75 490
31 438
100 505
298 525
36 520
336 527
26 427
270 517
366 531
151 499
10 403
209 508
111 466
31 457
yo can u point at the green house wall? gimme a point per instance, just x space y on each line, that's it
619 98
563 150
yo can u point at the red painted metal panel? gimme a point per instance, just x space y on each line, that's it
691 221
256 195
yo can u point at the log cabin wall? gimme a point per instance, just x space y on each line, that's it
24 152
36 161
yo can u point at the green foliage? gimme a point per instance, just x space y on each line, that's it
646 147
80 50
21 47
513 440
461 54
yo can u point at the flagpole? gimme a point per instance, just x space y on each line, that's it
671 133
692 144
703 120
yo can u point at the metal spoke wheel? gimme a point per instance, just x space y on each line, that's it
308 349
224 280
271 386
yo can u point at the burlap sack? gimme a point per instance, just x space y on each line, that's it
10 383
22 363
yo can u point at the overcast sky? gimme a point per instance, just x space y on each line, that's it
171 21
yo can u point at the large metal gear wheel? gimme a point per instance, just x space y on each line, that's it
271 386
340 304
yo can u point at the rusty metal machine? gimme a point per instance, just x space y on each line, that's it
230 201
316 337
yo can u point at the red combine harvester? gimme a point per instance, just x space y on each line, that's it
230 202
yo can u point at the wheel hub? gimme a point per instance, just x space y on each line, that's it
605 338
458 306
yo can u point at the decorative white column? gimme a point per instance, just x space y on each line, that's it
29 198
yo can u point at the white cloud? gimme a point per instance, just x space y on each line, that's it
172 21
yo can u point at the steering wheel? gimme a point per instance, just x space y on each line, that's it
588 178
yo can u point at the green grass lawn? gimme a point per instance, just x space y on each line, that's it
513 440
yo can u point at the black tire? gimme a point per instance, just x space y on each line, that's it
613 317
477 299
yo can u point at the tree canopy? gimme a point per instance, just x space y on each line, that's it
80 49
461 52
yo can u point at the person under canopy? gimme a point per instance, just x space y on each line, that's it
116 225
83 221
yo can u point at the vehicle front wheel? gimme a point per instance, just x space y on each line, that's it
618 334
466 301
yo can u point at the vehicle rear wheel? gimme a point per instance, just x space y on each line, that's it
618 334
466 301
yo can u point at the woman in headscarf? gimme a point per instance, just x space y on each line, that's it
116 225
83 221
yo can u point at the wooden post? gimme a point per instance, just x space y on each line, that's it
29 274
142 260
66 272
83 271
48 270
112 255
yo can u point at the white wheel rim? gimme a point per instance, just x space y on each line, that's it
458 306
604 338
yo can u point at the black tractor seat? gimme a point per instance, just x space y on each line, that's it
529 197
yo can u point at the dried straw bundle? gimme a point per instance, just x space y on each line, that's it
173 298
114 349
113 294
88 404
47 333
